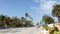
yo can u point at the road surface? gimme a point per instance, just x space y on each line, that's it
27 30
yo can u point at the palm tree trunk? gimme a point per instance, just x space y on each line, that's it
59 19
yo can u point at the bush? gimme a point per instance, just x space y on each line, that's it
45 27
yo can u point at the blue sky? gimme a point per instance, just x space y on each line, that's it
32 7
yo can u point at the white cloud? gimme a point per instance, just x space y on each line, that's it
45 7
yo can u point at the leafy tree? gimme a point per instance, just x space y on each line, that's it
56 11
2 17
48 19
8 20
28 23
16 21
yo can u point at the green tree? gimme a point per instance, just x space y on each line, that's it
28 23
27 15
23 20
2 17
16 21
56 11
48 19
8 21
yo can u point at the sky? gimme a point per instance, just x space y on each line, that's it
35 8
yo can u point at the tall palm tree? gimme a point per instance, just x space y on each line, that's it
23 20
56 11
27 15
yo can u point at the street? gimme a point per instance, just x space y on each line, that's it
26 30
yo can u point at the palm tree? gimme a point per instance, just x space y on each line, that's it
23 20
27 15
56 11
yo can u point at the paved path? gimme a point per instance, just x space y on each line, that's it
29 30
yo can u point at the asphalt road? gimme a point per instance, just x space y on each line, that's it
26 30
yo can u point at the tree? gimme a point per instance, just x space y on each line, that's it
56 11
27 15
16 21
8 20
2 17
23 20
28 23
48 19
